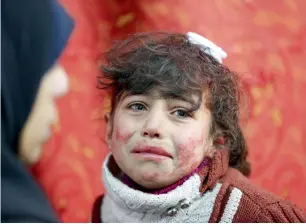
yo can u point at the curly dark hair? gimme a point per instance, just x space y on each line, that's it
178 67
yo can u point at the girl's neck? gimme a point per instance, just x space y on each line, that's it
132 184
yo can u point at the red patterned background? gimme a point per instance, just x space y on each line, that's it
266 44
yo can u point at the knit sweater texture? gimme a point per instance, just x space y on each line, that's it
214 193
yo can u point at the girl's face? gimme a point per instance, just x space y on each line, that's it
37 128
156 141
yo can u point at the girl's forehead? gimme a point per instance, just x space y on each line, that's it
156 93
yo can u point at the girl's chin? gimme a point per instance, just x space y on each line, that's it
153 180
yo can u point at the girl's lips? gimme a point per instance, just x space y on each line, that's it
151 150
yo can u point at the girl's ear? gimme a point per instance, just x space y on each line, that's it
109 129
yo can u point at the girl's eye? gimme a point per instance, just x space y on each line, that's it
182 113
137 107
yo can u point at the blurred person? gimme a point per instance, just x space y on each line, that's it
33 36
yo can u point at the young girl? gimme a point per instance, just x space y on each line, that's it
177 151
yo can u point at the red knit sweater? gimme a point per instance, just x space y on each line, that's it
255 205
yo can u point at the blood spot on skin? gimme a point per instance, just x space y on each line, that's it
121 135
187 154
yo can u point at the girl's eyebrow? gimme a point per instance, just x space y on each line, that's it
194 100
127 94
183 97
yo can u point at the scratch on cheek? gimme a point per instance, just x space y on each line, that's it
187 154
186 159
122 136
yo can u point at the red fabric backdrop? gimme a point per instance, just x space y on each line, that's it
266 44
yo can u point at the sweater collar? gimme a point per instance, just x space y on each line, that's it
132 184
203 179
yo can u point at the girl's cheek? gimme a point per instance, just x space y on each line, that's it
124 128
119 141
187 155
122 135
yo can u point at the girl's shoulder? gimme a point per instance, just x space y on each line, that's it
256 204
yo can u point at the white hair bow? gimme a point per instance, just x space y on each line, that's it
207 46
